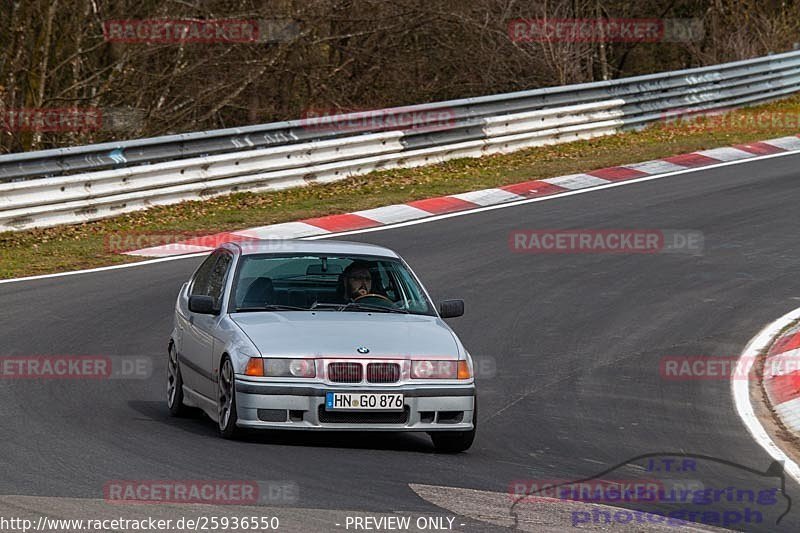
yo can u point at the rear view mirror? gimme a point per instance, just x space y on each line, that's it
323 269
202 304
451 308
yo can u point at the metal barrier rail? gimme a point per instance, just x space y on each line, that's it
83 183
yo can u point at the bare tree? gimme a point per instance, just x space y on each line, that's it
339 54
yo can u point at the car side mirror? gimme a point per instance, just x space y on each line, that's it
203 305
451 308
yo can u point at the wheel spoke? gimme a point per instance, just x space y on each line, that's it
225 394
172 378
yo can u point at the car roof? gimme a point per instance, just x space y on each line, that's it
289 246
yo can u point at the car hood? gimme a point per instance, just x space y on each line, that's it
339 334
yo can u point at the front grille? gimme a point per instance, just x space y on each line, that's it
383 372
346 372
366 417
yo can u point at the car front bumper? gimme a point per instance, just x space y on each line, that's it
302 406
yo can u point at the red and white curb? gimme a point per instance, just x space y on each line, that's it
782 378
419 209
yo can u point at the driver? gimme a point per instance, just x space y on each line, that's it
357 280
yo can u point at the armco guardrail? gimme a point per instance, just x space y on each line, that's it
83 183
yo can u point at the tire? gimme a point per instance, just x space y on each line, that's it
456 441
226 401
175 385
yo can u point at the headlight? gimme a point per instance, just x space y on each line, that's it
302 368
281 368
427 369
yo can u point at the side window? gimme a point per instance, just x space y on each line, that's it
210 277
216 282
202 276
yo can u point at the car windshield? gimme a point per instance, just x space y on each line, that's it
327 283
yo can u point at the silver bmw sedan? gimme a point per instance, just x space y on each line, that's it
319 335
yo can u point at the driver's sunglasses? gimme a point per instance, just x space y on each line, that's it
362 277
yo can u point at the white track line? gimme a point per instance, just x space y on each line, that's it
741 392
427 219
103 269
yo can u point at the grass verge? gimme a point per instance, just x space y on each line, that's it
63 248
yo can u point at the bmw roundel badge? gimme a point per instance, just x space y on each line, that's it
362 349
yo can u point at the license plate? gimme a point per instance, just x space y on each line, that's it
363 401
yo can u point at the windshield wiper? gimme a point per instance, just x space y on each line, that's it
369 307
325 305
270 307
356 305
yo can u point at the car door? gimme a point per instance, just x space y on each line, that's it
200 332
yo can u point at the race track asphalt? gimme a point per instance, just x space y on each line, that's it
569 345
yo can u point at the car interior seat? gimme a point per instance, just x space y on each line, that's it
260 292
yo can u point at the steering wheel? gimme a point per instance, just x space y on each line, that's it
379 297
